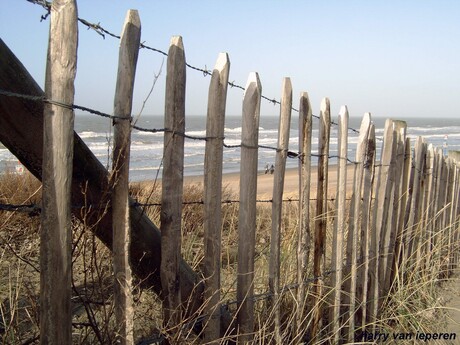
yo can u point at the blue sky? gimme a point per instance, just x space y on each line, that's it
396 59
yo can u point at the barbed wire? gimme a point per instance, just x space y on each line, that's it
45 100
102 32
35 209
289 153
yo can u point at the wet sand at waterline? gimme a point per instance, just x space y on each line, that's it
231 182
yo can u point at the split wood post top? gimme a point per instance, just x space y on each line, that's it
213 163
247 210
127 62
172 184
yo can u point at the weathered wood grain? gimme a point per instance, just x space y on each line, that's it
304 233
172 183
277 205
213 163
368 188
127 62
354 229
339 226
56 226
321 215
247 210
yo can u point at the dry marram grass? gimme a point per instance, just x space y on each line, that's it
414 305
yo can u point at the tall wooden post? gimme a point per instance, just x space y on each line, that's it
247 211
428 205
354 230
339 226
455 156
398 195
321 215
413 220
437 206
304 235
368 188
127 61
172 184
213 161
56 230
380 221
402 214
385 203
277 205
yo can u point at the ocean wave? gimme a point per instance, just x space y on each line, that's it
148 134
233 130
196 133
90 134
433 136
434 129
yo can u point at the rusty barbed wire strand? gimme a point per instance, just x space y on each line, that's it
35 209
290 154
60 104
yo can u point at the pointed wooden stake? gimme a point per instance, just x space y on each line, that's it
321 215
123 299
172 184
247 211
56 227
304 236
339 227
213 196
278 187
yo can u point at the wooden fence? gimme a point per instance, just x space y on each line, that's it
401 207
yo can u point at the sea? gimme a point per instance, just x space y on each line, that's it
147 147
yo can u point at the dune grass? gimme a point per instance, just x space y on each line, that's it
414 304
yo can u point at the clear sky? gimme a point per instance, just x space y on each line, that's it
396 59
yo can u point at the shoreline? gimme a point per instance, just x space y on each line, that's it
231 182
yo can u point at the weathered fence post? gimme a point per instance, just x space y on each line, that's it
354 229
449 208
414 215
304 235
428 205
380 219
455 156
247 211
438 204
213 161
321 215
442 218
397 176
56 230
387 199
277 205
172 183
123 299
339 226
368 188
402 215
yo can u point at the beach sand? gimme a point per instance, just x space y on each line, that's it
231 182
